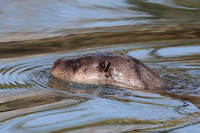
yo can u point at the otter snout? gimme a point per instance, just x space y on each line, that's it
56 63
62 69
57 68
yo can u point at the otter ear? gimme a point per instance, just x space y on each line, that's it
104 65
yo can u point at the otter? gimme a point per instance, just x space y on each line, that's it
119 70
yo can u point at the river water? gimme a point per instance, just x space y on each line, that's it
164 35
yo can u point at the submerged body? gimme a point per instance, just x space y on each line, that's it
108 69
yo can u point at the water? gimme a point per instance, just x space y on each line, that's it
162 34
40 19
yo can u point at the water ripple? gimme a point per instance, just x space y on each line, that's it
31 97
35 19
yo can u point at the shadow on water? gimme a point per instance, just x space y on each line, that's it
125 35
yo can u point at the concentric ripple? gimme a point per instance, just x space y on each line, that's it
32 99
17 75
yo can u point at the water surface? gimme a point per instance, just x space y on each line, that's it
32 99
22 20
162 34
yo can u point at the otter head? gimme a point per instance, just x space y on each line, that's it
108 69
87 70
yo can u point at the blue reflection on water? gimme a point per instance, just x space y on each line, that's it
179 51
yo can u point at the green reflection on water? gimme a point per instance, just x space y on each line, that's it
125 35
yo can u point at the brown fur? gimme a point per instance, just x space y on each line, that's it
108 69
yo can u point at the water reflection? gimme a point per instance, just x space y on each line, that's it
48 17
132 35
32 99
178 51
41 19
163 34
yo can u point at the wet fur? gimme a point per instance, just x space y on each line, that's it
108 69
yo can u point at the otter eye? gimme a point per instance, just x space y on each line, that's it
56 62
76 64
